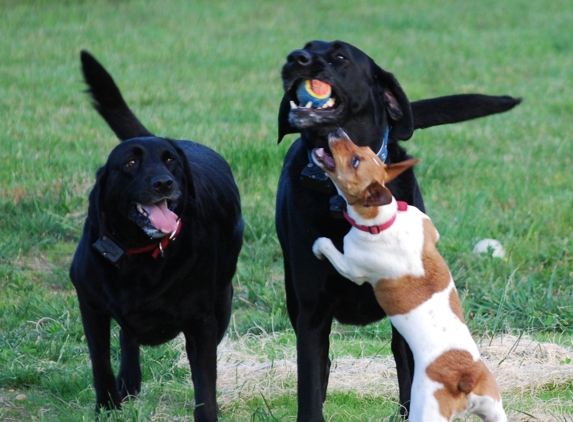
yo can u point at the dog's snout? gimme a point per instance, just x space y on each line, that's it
337 135
301 57
162 184
340 133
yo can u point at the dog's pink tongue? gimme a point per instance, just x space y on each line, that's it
161 217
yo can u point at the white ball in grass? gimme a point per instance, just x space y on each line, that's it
484 246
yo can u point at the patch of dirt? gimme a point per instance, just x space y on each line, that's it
522 367
12 406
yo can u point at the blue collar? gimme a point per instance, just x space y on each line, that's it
383 153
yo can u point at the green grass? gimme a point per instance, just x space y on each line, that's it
210 71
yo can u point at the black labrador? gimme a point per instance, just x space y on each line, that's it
158 251
368 103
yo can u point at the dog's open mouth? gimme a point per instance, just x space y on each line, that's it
313 94
157 219
309 108
323 159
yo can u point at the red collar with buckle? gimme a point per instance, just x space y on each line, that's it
157 248
108 247
402 206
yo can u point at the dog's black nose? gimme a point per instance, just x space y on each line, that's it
301 57
162 184
338 133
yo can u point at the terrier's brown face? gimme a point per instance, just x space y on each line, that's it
358 172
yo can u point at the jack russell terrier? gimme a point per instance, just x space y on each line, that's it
392 246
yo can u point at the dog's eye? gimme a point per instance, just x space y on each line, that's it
340 57
131 163
355 161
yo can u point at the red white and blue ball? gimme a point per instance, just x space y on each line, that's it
314 91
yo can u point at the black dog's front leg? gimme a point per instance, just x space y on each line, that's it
97 330
129 378
313 365
201 347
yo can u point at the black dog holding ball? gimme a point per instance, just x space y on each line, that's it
368 103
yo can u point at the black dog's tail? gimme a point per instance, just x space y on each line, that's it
107 100
458 108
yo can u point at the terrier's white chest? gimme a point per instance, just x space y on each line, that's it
393 253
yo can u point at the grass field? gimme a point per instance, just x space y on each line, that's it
210 71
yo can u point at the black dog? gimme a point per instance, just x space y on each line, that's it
158 251
374 111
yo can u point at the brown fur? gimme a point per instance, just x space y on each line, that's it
364 186
449 403
460 375
401 295
366 212
456 306
487 385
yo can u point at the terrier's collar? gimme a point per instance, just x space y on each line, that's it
402 206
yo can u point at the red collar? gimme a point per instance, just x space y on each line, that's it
108 247
402 206
157 248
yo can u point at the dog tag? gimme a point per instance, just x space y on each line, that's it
337 205
313 177
108 249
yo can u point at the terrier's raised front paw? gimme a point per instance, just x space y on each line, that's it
319 246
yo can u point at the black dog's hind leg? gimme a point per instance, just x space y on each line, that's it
405 369
201 347
291 300
97 330
129 378
326 375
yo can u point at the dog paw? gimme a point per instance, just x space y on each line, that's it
319 245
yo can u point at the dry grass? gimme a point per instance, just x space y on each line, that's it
523 368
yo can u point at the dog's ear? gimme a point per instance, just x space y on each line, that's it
97 199
395 103
189 186
395 169
285 127
376 195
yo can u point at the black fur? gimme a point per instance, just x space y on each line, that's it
188 289
369 100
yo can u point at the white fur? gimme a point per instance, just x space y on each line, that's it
430 329
392 253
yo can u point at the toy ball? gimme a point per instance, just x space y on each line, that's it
314 91
490 246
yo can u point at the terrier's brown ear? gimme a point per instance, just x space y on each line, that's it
376 195
393 170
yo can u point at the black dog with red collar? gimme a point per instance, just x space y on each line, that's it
128 265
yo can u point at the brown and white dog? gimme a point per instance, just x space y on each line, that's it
392 246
